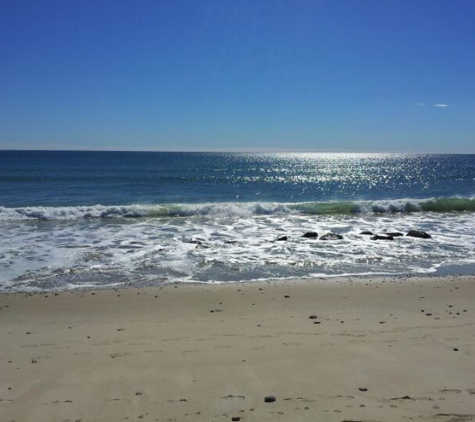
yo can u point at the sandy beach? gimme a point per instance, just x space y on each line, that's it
327 350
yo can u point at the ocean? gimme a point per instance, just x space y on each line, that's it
71 219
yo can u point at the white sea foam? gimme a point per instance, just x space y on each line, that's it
224 247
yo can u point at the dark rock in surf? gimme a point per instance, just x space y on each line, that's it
418 233
310 235
382 237
331 236
395 234
367 232
282 239
194 241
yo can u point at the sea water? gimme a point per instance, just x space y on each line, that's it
116 219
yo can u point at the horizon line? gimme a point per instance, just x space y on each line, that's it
235 150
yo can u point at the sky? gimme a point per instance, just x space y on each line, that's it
303 75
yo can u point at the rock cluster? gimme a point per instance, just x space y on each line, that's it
382 236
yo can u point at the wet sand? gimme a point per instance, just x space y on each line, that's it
373 350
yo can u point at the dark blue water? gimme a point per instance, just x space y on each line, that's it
67 178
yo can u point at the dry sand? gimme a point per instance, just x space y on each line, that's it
380 350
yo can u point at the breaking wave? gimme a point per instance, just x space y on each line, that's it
245 209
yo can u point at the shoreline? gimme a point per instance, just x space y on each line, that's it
378 349
315 279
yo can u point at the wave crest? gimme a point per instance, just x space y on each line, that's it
245 209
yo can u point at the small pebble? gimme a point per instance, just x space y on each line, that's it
363 389
269 399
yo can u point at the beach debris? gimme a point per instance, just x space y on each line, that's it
233 396
310 235
270 399
282 238
382 237
455 416
331 236
419 234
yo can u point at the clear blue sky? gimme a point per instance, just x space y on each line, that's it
330 75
